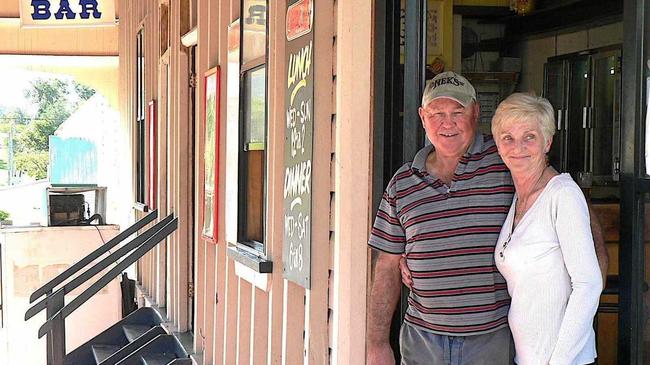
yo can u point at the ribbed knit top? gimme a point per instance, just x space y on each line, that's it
553 277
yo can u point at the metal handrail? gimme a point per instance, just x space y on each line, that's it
112 274
106 262
50 285
57 310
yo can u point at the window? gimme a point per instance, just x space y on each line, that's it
141 163
253 125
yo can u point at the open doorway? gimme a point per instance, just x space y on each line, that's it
53 110
568 51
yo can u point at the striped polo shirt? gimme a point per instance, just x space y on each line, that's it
448 234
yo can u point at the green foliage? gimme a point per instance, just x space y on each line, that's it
83 91
55 101
17 116
46 93
3 165
3 215
33 163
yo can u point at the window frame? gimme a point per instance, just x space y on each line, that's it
141 123
252 246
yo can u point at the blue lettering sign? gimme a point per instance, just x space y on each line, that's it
41 9
87 6
65 9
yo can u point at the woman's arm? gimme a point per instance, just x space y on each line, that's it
573 230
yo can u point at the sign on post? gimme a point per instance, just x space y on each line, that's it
67 13
298 143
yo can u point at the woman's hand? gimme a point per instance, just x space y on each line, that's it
406 273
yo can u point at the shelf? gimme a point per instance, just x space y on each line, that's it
492 77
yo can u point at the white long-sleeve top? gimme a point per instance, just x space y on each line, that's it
553 277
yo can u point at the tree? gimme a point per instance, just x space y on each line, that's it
83 91
33 163
55 99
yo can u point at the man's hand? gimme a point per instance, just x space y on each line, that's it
380 355
599 243
406 273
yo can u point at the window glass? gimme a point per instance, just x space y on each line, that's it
140 119
255 109
254 29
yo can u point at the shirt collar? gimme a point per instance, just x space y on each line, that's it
420 158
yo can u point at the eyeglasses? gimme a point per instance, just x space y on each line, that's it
505 245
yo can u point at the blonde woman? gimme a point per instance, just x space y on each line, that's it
545 250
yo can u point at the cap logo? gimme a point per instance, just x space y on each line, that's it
447 80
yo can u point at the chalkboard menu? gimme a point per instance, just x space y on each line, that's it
298 143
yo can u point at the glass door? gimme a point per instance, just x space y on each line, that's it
555 92
577 114
606 118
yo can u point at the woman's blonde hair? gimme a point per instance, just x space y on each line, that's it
524 107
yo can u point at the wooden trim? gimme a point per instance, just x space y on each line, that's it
317 298
293 324
353 178
190 38
245 312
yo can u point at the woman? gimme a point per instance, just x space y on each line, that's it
545 250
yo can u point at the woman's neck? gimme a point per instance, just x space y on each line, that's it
528 182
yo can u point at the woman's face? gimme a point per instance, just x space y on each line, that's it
521 146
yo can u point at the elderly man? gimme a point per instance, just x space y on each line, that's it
444 212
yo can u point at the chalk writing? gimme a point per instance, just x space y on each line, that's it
299 70
298 148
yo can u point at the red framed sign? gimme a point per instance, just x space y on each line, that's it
300 16
152 165
211 122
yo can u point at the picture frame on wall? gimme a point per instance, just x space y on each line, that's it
152 164
211 122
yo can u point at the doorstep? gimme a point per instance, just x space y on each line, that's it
186 339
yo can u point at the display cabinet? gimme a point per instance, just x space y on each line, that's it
584 90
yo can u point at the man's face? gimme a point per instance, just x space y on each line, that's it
449 125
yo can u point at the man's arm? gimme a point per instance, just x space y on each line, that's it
384 295
599 244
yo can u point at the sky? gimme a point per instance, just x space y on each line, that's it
14 82
15 75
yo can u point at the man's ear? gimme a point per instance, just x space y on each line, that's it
477 109
421 114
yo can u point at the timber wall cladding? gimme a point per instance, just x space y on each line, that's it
331 273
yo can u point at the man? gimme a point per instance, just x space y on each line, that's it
444 211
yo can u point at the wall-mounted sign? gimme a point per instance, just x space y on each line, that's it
67 13
298 152
299 19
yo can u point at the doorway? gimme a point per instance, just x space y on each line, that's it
501 52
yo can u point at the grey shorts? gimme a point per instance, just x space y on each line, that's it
426 348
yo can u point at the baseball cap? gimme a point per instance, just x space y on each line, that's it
449 85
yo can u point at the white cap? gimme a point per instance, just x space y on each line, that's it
449 85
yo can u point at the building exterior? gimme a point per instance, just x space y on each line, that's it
237 312
270 128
